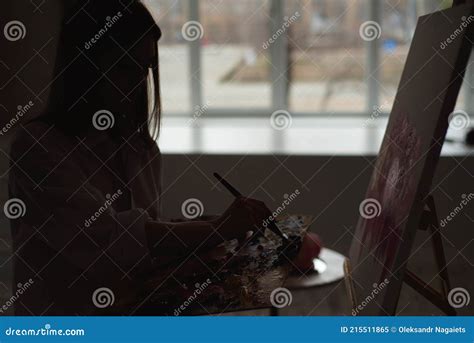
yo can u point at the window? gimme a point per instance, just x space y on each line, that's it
235 67
174 54
326 56
399 22
227 58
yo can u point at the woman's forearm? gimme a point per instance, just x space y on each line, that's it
170 238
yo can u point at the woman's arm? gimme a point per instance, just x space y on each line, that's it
173 238
170 238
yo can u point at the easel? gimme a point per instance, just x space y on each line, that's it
429 222
423 216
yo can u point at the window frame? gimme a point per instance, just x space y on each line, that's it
278 57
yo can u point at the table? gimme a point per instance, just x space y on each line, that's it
328 268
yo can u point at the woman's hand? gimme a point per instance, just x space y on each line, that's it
242 216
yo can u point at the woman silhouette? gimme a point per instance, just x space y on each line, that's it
88 170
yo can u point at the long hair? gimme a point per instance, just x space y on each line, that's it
91 31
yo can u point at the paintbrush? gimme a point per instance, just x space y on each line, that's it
271 225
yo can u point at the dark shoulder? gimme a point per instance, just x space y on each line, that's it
38 142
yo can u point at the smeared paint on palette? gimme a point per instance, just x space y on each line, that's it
229 278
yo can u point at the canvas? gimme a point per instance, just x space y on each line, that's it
402 176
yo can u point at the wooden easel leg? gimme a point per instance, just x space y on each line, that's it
439 299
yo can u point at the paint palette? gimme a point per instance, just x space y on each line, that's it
231 277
